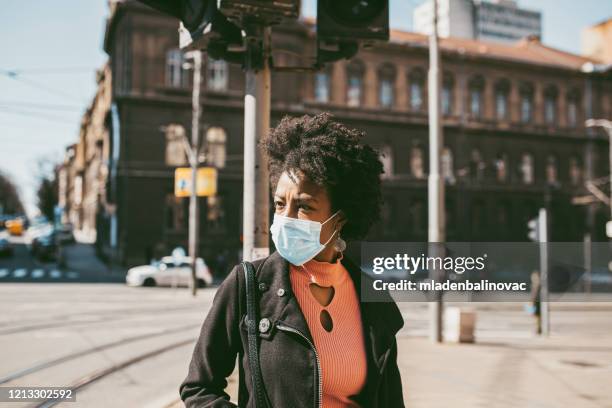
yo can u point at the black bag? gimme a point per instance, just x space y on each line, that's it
252 318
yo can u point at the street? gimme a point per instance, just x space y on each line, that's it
81 265
122 346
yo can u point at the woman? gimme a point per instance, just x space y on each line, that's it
319 345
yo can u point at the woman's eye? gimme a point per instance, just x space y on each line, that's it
305 207
278 204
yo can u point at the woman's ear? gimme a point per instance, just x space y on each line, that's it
340 220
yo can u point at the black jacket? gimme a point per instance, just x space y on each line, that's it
288 361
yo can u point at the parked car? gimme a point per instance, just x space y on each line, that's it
44 246
5 247
167 273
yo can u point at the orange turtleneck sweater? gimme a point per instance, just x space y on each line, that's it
342 350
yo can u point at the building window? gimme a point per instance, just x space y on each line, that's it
386 93
526 103
216 140
175 145
416 80
550 105
551 170
501 99
176 75
572 108
386 157
418 215
322 87
175 213
417 162
215 215
477 166
526 168
447 94
575 171
476 87
572 113
501 167
217 75
446 165
386 81
354 93
475 96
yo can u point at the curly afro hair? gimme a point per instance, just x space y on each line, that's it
330 155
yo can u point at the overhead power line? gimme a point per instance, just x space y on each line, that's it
17 77
49 71
38 105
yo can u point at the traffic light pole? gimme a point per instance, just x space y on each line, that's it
256 199
437 230
543 240
193 161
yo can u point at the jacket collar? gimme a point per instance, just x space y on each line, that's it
380 320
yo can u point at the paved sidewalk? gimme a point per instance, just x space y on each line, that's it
558 372
561 371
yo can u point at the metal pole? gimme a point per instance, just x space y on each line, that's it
193 161
435 181
256 200
543 235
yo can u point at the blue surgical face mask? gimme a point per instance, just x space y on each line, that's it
298 241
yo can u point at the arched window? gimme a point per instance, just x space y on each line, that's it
526 168
175 145
215 147
575 171
448 84
476 88
552 170
176 75
416 81
417 162
550 105
502 89
446 164
216 74
573 102
354 91
501 167
386 157
526 92
386 85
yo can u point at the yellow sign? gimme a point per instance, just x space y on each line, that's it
206 181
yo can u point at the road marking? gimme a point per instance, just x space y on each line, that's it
20 273
72 275
55 274
3 273
37 273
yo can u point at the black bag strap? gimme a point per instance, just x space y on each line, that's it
261 399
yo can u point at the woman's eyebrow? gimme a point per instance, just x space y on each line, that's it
307 197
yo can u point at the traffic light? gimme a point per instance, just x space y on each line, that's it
342 25
201 22
264 12
354 20
533 227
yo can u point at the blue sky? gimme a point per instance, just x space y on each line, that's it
57 45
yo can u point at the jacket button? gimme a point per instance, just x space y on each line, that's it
280 292
264 325
263 287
